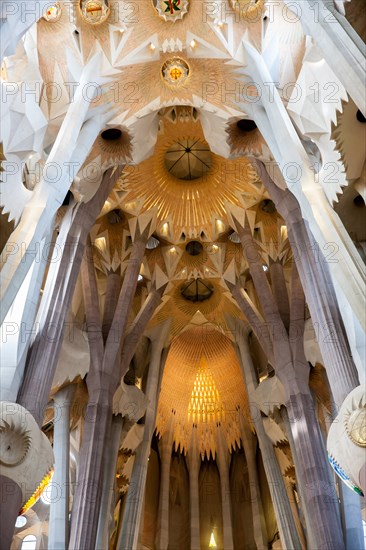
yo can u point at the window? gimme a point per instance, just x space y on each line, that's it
29 543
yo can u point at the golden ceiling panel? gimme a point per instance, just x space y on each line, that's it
189 206
181 311
203 383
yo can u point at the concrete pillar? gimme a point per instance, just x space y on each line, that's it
298 471
109 480
61 280
315 278
285 521
58 526
223 463
194 463
348 271
102 381
259 524
162 534
286 354
133 509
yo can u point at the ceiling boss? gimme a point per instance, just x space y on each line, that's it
171 10
95 11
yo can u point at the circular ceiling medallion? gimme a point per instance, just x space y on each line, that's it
356 427
175 71
171 10
53 13
197 290
95 11
188 159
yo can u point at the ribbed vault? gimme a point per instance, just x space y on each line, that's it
202 382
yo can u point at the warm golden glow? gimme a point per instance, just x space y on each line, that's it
101 244
212 541
205 405
203 383
189 206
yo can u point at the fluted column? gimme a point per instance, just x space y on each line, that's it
319 291
133 509
285 521
223 462
194 463
162 535
295 511
298 470
102 381
109 480
58 527
259 525
61 280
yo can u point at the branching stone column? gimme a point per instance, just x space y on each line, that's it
162 534
285 520
284 316
109 480
44 352
318 287
277 128
194 463
223 462
135 497
259 525
102 382
58 527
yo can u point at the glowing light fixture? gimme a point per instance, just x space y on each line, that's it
95 12
220 226
212 543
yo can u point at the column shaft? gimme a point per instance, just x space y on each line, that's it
43 356
58 527
259 525
162 535
133 510
285 520
109 481
194 500
86 506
